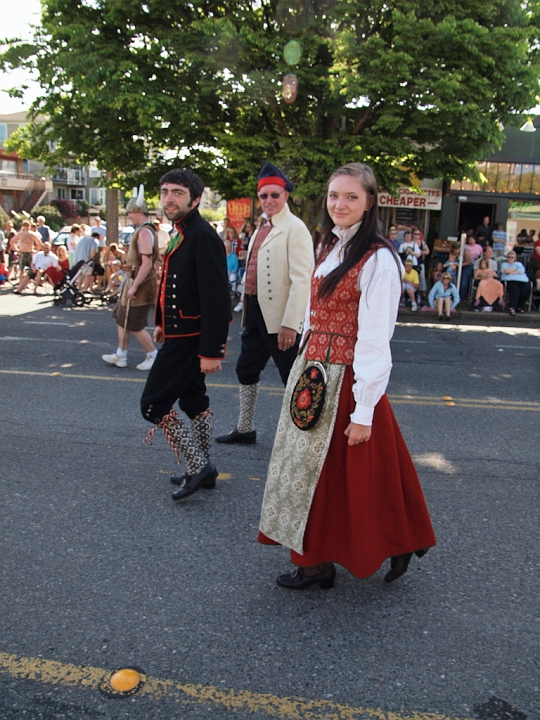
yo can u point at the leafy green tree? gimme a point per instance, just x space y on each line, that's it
413 87
416 88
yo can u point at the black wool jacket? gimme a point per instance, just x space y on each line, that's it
194 296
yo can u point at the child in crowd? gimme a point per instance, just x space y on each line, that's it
436 272
410 283
232 263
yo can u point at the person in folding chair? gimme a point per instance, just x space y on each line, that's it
517 283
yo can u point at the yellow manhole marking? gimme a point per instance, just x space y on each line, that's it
123 683
284 708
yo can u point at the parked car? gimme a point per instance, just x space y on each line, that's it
62 236
124 236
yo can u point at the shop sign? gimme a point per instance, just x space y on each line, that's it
237 210
406 198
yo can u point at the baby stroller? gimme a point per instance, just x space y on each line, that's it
66 289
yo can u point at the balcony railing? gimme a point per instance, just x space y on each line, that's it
70 176
24 181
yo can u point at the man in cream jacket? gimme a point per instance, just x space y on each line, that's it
279 265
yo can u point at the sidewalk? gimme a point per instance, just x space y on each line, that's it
12 305
469 317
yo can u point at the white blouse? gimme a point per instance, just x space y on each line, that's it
380 285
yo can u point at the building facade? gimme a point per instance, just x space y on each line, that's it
508 193
23 184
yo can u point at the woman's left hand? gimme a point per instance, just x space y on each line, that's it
358 433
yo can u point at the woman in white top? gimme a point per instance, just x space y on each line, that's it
345 490
72 242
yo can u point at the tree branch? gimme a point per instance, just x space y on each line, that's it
362 120
281 123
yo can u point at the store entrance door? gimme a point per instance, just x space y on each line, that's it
471 215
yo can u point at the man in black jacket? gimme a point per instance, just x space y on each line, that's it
192 317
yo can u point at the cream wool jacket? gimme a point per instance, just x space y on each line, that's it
284 268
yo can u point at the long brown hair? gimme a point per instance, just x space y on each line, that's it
368 235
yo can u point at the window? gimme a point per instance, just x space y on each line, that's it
8 167
61 193
77 194
526 178
97 196
3 132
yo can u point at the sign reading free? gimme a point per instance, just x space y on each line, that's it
406 198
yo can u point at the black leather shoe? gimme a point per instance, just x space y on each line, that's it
195 482
209 484
400 563
298 580
249 438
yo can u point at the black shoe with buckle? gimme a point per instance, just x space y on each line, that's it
400 564
248 438
209 484
193 483
298 580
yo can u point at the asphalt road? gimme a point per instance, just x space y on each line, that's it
101 570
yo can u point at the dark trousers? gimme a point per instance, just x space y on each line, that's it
258 346
518 293
175 375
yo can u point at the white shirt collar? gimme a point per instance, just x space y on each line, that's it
345 234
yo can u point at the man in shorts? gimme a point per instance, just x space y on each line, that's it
138 293
26 245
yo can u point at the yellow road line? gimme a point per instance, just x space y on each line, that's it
488 404
51 672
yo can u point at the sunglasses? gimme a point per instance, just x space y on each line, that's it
274 195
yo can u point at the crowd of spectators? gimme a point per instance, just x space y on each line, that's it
490 271
236 245
32 257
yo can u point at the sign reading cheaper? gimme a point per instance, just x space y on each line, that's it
425 200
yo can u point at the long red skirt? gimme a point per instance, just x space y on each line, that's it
368 505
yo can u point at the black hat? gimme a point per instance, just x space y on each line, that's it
272 175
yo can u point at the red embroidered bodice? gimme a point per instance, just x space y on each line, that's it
334 320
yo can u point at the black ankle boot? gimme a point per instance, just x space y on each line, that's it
398 567
400 563
298 580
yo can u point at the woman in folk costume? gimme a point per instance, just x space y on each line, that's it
345 490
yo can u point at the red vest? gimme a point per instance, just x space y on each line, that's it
334 320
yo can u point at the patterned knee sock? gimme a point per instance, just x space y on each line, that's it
179 437
201 427
248 400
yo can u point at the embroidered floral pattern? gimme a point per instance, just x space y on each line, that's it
308 398
297 460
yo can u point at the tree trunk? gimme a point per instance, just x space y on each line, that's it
112 215
311 212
